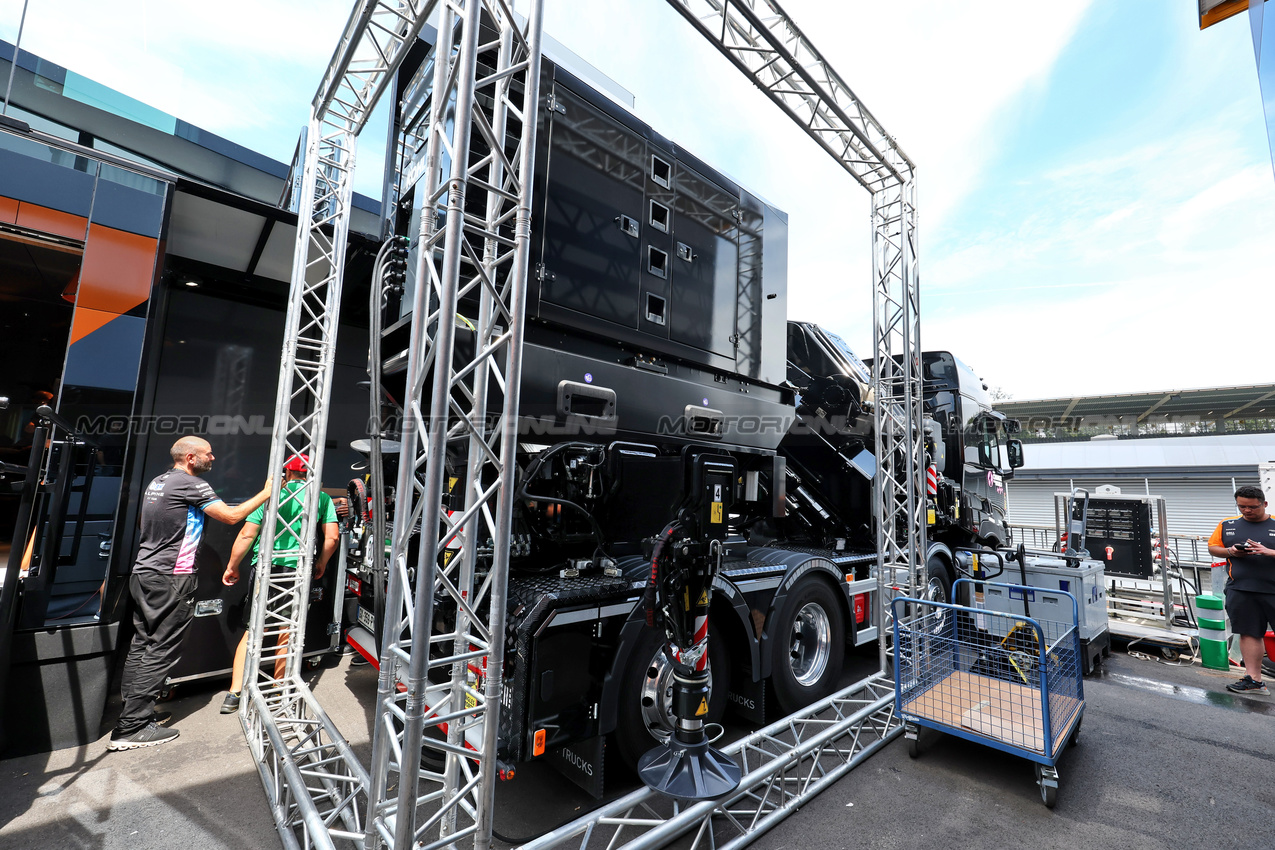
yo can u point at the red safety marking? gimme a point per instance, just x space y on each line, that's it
932 480
701 636
349 638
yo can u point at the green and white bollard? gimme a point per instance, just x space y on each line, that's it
1211 618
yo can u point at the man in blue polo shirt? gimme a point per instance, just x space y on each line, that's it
163 583
287 527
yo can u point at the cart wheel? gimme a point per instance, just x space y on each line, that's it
166 693
1075 734
313 662
913 733
1170 654
1049 795
1047 779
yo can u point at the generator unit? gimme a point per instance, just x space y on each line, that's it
1045 576
657 345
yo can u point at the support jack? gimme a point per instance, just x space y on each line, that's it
687 768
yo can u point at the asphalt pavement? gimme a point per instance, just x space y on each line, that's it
1167 759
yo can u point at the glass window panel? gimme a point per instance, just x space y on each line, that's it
40 174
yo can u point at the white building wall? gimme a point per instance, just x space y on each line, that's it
1196 476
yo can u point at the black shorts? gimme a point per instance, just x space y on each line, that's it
246 618
1251 613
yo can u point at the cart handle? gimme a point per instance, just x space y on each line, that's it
1075 608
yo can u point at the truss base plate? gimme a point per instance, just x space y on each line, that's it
694 772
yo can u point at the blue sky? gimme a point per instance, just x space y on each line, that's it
1097 205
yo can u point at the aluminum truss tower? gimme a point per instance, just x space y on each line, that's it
758 37
474 242
316 786
476 246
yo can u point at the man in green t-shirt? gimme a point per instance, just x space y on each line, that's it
286 529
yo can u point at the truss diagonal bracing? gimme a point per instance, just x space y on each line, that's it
445 608
784 765
759 38
317 787
897 416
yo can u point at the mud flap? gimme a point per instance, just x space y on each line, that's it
581 762
747 699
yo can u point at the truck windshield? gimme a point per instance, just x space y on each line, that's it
991 447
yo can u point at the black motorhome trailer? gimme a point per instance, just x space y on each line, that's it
657 338
144 268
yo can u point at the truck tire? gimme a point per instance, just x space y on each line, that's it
938 584
645 715
809 645
938 588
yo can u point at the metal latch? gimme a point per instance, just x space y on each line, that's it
628 225
209 607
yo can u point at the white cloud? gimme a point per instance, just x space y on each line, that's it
937 75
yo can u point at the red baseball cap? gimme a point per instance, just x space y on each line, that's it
297 463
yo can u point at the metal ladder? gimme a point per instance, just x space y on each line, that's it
320 794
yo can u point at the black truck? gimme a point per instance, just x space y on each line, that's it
658 337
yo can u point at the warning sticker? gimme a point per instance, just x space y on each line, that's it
703 598
703 707
716 513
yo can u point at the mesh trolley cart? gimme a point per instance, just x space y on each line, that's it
1005 679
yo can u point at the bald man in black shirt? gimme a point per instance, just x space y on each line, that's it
163 583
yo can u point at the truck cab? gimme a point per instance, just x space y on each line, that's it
970 447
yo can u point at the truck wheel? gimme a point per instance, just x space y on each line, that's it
938 585
938 588
809 645
646 694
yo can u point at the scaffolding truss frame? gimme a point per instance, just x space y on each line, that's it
494 252
319 792
785 764
314 781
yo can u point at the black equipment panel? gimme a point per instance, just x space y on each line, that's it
593 213
705 264
1118 533
638 242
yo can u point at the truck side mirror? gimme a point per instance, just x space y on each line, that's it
935 445
1015 448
